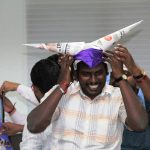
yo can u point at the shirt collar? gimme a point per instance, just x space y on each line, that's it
75 87
107 90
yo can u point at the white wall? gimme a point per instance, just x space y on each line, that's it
13 56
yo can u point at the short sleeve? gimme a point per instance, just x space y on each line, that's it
27 93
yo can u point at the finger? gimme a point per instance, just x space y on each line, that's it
3 131
61 57
107 59
121 52
108 54
111 56
121 59
109 51
70 57
121 46
69 68
59 61
121 49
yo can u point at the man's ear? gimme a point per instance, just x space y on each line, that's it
35 88
74 75
106 67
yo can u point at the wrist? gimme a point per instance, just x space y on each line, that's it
142 79
139 75
12 86
12 110
122 77
63 86
16 86
135 71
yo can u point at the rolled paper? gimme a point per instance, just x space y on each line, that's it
39 45
73 48
107 41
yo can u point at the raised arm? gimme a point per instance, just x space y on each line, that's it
41 116
16 116
8 86
8 106
23 90
141 78
136 114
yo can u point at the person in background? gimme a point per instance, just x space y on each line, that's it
15 126
44 75
132 140
140 76
14 118
5 143
140 83
42 71
89 114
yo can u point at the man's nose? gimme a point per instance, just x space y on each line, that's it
93 79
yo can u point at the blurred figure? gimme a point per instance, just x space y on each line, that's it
43 75
131 140
140 83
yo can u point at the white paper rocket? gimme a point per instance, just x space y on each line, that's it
73 48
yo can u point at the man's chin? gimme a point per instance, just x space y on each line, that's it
93 94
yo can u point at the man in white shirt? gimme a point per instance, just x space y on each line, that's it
44 75
89 114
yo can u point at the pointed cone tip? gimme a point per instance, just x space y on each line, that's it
27 44
139 22
32 45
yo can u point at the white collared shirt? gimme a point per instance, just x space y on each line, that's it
25 91
87 124
39 141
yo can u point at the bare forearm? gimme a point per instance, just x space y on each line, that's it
142 80
40 117
144 84
9 86
136 114
12 128
20 127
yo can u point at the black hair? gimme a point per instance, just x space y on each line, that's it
45 72
53 58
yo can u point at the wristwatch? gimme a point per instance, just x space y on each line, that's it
123 77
